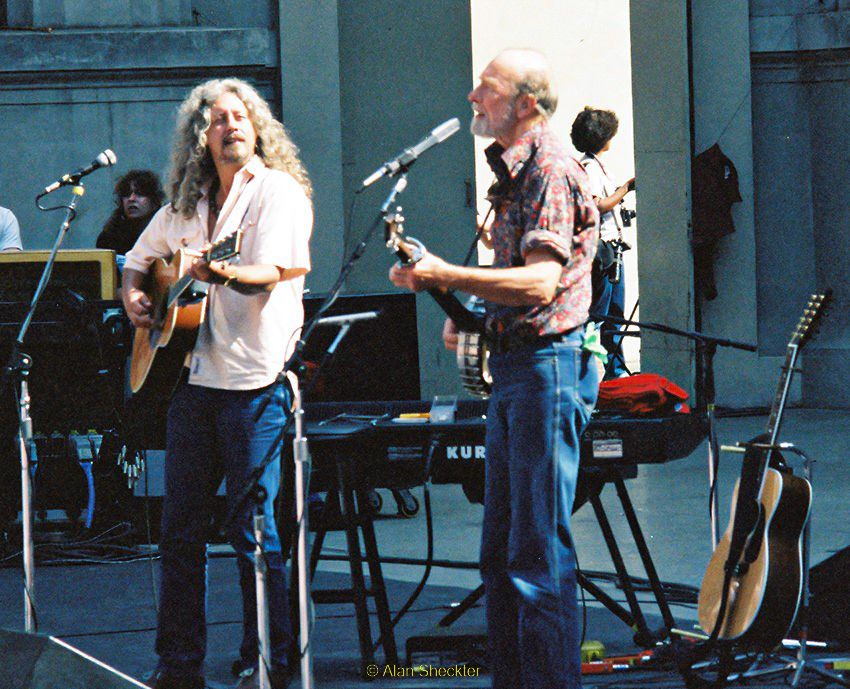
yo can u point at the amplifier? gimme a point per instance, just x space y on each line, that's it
91 273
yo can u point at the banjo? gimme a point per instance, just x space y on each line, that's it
472 347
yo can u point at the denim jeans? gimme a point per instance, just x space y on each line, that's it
609 299
542 399
212 434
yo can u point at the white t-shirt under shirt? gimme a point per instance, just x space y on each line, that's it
601 186
245 339
10 231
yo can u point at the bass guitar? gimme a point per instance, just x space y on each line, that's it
178 311
472 349
751 589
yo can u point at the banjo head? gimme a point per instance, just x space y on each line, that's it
473 357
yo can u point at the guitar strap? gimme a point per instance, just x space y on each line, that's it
477 237
503 189
246 195
607 192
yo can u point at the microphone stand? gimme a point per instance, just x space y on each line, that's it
19 366
261 569
706 348
301 454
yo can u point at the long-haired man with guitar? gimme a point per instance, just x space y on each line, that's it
544 386
235 174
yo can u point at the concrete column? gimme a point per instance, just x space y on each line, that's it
310 95
662 157
723 115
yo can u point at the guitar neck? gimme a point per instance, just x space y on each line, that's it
454 309
781 398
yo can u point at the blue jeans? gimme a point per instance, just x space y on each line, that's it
609 299
212 434
542 399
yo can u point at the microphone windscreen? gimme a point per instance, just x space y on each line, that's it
106 158
445 130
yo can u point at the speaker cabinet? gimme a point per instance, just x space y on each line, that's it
829 607
34 661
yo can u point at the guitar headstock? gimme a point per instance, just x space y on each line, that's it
393 226
408 249
810 320
225 248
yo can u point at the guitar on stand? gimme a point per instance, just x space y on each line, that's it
472 348
751 590
178 310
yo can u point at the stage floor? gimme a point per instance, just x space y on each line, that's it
109 610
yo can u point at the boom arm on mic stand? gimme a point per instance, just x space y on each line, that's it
706 348
104 159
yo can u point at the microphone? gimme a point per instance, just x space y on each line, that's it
409 155
348 318
104 159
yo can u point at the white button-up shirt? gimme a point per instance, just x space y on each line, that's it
244 340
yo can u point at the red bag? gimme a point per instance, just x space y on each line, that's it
642 394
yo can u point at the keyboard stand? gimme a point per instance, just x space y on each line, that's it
633 616
347 509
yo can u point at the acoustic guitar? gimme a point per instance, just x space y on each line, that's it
751 589
472 350
179 307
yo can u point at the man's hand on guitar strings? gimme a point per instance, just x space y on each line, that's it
216 272
429 272
138 306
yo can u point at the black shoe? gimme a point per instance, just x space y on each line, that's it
280 678
161 679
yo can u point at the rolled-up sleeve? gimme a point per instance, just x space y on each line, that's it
555 211
284 224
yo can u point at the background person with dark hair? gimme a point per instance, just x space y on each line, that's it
138 195
591 134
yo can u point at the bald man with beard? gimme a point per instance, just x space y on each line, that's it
537 293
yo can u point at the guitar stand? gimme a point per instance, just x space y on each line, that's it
800 663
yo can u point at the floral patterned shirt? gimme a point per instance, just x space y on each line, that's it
542 200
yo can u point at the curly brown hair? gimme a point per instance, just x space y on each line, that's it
192 166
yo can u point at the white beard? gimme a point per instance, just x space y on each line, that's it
480 126
484 127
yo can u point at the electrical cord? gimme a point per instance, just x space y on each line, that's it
346 232
673 592
148 532
428 566
583 595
